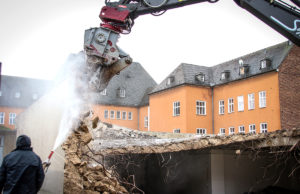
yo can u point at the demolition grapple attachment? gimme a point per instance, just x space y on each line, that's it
103 57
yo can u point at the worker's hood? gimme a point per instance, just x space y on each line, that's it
23 142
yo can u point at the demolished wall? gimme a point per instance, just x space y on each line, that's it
103 159
82 174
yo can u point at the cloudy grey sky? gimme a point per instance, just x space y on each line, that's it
38 35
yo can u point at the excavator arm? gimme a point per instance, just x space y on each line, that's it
279 15
106 59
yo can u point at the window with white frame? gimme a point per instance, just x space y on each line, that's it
230 105
176 131
241 129
170 80
17 95
222 131
240 103
263 127
124 115
145 121
176 108
103 92
106 114
221 107
262 99
263 64
231 130
251 102
122 93
12 117
225 75
118 116
200 107
201 131
129 115
200 77
2 115
112 114
252 128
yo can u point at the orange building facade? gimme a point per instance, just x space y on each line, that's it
8 116
187 120
125 101
118 115
243 95
16 94
129 117
217 114
249 113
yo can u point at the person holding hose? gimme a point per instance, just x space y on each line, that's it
21 171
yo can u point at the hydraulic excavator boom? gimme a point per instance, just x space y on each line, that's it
105 58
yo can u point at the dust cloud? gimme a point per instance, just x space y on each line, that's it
73 88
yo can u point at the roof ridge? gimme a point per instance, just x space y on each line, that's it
253 53
185 73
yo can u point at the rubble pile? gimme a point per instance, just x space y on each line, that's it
95 153
83 172
86 169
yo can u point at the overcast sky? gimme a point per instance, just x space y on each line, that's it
38 35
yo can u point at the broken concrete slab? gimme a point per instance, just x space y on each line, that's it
113 151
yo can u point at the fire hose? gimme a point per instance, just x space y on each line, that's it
47 163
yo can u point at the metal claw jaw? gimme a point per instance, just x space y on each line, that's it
103 57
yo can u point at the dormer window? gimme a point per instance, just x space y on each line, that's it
243 70
225 75
122 93
200 77
170 80
265 63
103 92
17 95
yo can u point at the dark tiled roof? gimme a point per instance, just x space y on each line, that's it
185 73
135 80
275 53
145 99
27 87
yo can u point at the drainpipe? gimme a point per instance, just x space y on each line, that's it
138 118
149 118
212 111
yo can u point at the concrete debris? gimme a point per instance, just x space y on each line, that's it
92 142
154 144
83 174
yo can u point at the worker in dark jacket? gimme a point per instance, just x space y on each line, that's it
21 171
